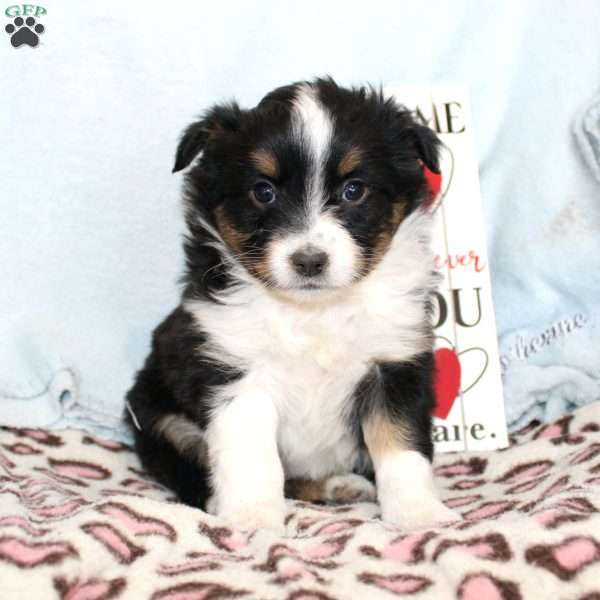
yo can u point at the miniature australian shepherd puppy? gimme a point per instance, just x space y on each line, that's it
299 362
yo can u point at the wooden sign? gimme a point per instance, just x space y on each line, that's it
470 407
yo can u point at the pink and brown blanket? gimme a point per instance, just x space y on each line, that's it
79 520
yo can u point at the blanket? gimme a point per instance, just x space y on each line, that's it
79 519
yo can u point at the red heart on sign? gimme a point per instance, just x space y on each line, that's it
446 381
434 183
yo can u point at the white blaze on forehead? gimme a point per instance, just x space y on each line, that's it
313 127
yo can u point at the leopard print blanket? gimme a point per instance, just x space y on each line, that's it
79 520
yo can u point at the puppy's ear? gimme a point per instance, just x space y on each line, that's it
427 145
219 119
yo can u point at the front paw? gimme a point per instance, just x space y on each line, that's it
420 513
251 516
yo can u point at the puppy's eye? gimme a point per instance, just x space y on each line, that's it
354 191
263 192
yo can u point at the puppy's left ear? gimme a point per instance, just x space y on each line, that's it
218 120
427 145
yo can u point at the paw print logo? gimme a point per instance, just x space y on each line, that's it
24 32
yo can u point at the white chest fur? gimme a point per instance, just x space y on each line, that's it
308 357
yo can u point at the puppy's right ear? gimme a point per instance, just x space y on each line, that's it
219 119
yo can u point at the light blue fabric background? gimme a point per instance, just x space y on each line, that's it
90 218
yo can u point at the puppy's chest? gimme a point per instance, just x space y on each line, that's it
305 365
309 363
313 381
323 341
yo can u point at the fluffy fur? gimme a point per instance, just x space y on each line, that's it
300 357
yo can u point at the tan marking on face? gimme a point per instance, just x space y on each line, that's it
255 262
350 161
384 238
184 435
383 436
230 234
266 162
258 265
259 268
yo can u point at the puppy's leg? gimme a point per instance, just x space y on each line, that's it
337 489
396 426
246 472
170 445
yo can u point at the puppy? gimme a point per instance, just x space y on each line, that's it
299 361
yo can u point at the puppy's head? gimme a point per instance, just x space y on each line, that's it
307 190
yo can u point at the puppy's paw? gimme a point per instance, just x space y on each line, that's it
345 489
257 515
420 513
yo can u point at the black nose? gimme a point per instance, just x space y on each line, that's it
309 262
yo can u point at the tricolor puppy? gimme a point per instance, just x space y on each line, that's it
299 361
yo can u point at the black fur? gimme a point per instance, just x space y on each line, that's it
175 378
403 393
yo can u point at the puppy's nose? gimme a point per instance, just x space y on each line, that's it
309 263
